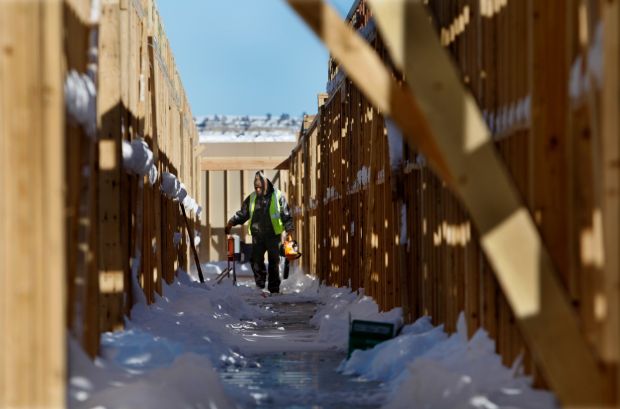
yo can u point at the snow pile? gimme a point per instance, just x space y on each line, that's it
361 180
189 382
138 159
165 356
213 269
175 190
330 194
235 128
170 185
303 285
428 369
81 101
79 88
390 359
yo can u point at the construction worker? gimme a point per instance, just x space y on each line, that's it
269 217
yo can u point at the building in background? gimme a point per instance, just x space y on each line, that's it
233 149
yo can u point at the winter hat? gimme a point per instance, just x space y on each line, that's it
260 175
263 180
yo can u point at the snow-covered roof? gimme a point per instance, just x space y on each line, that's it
247 128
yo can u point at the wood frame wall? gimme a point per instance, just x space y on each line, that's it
487 45
134 222
73 220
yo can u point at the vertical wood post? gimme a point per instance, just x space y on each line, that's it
109 113
549 142
32 257
610 155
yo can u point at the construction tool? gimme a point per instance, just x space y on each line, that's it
190 232
234 255
290 251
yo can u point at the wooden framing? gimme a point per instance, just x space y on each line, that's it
112 266
117 223
32 258
73 220
508 234
250 163
502 221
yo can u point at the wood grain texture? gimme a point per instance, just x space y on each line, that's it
32 227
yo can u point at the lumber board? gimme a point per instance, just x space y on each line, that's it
109 111
253 163
610 129
549 161
32 223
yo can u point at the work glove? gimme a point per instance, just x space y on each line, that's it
227 228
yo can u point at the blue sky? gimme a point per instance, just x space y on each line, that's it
246 56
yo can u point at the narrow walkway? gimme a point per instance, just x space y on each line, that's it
300 378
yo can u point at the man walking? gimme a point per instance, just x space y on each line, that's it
269 217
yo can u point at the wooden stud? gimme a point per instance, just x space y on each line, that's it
109 107
32 257
610 129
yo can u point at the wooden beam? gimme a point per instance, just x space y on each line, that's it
32 239
284 165
109 112
235 163
450 123
610 155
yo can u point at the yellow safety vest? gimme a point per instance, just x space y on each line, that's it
274 211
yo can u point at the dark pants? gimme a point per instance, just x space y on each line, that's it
260 245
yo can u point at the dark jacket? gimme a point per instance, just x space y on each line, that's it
261 222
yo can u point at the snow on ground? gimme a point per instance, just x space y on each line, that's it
169 353
213 269
428 369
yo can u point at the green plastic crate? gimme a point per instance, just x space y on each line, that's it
367 334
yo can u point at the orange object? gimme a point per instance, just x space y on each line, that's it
291 250
231 248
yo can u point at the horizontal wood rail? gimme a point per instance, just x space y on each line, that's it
240 163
